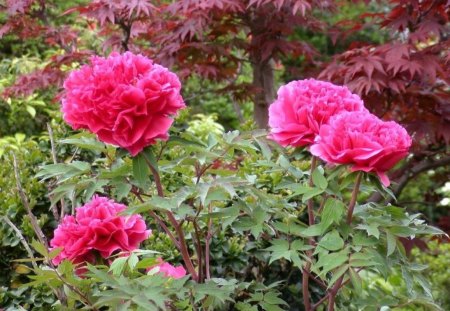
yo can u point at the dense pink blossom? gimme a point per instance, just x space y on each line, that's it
303 106
168 270
364 141
126 100
97 229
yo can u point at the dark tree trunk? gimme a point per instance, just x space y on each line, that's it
263 81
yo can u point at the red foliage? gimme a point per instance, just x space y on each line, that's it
406 79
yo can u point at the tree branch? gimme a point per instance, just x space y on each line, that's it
34 223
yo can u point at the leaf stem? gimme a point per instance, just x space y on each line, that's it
207 245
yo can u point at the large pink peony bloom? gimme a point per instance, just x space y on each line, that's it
168 270
125 99
303 106
98 229
363 141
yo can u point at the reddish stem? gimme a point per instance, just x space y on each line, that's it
182 242
207 246
334 290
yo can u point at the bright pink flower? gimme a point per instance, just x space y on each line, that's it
365 142
74 240
303 106
125 99
98 229
168 270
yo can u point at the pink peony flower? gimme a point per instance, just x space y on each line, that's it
98 229
303 106
363 141
168 270
74 240
125 99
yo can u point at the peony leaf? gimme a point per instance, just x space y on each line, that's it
118 265
140 170
319 180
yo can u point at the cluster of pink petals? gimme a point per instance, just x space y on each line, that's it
97 230
337 127
303 106
364 141
126 100
168 270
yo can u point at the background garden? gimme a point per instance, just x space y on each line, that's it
231 56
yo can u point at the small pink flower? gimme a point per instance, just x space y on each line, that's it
168 270
126 100
303 106
98 229
363 141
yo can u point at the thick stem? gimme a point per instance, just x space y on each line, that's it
263 81
307 268
199 250
352 203
182 242
351 206
207 246
161 223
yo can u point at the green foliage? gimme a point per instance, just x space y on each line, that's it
203 125
29 155
245 198
26 115
437 259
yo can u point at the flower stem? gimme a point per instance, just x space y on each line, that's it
351 206
352 203
307 268
182 241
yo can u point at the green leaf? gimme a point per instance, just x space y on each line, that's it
337 274
140 169
279 246
424 283
40 248
314 230
133 261
391 243
270 307
356 281
31 110
362 260
149 156
371 229
265 149
332 212
312 193
55 252
319 180
273 299
328 262
85 142
118 265
332 241
362 239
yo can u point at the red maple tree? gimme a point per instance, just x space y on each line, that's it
405 79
